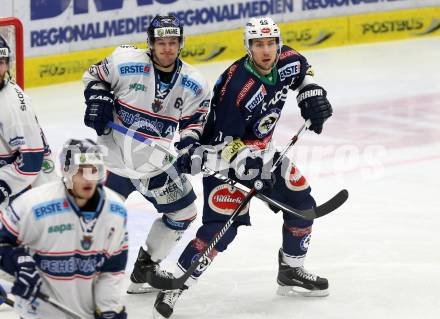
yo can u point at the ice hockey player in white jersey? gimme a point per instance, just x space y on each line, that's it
154 93
67 239
25 158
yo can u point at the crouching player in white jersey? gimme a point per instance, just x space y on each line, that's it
154 93
68 240
25 157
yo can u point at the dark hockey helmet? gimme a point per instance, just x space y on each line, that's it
165 26
76 153
5 51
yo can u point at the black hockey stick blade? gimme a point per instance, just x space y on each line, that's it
172 283
332 204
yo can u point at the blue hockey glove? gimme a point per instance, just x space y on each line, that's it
312 100
27 280
111 315
99 110
5 192
191 156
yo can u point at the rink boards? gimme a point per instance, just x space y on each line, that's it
228 45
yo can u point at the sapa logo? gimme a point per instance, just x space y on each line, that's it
52 8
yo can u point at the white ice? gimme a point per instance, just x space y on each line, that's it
380 251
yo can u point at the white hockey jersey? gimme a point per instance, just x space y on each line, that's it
81 260
25 157
144 104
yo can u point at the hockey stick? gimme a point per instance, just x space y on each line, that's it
43 297
308 214
172 283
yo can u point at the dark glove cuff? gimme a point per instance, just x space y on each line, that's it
186 143
4 187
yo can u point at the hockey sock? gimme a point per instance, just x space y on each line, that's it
161 240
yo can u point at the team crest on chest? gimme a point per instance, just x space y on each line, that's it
157 105
266 124
87 242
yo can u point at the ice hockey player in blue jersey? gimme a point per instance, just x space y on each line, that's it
25 157
247 104
153 92
67 239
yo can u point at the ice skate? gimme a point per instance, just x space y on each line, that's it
165 301
138 277
296 281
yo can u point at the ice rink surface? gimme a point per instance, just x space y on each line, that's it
380 251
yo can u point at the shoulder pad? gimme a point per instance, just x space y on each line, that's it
288 52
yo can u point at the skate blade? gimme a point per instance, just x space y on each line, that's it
142 288
294 291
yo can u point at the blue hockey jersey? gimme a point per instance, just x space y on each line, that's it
248 106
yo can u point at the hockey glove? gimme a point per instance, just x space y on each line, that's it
314 105
191 156
255 167
246 166
5 192
110 314
99 110
27 280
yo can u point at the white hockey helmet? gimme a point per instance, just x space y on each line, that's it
258 28
81 152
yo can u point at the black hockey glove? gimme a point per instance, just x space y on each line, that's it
191 156
253 168
5 192
99 109
314 105
27 280
111 314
